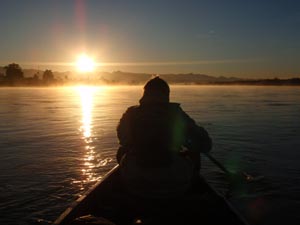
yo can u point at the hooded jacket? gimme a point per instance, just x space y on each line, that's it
154 132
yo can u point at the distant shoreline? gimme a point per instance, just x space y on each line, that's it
39 79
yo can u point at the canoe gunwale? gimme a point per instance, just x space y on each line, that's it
67 215
228 203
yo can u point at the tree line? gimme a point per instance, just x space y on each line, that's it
14 76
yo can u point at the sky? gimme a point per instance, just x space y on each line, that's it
241 38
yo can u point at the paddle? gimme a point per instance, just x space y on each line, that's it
247 176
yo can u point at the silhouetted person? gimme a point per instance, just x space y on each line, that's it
160 144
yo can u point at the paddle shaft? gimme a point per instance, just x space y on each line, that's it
217 163
247 176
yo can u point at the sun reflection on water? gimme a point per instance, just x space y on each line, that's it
86 95
86 128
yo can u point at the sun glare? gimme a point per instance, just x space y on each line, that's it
85 63
86 95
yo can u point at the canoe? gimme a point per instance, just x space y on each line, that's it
108 202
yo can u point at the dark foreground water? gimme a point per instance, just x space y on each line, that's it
56 142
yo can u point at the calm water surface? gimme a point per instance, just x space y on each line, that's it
57 142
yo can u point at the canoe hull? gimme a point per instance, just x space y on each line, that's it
108 199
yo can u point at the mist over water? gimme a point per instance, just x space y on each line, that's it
55 143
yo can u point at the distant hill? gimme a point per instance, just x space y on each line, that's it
119 77
140 78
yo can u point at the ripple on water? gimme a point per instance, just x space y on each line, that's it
56 143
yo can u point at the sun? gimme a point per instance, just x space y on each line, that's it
85 63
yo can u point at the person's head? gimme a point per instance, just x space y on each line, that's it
156 90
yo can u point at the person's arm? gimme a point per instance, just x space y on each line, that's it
198 139
124 134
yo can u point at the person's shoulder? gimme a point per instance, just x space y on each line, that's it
175 106
130 111
132 108
177 109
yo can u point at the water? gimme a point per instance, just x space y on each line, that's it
56 142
